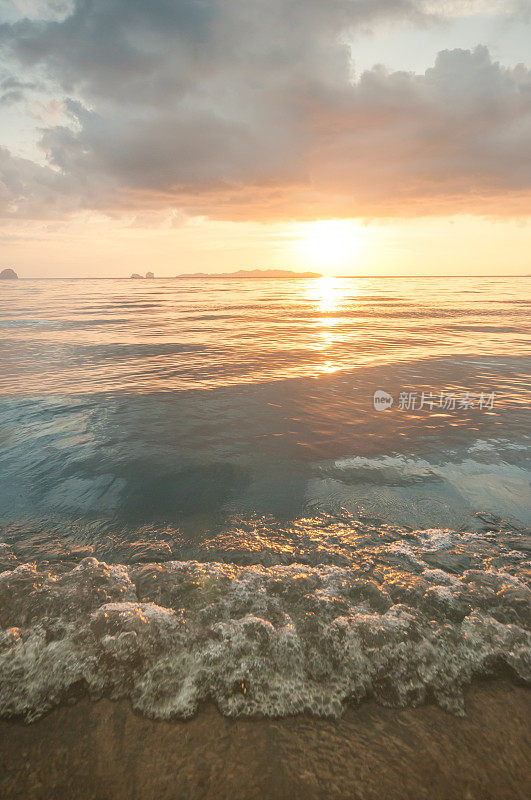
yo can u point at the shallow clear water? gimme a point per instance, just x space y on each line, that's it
228 428
183 402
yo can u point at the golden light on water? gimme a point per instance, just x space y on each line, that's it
328 294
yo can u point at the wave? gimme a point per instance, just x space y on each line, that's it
406 620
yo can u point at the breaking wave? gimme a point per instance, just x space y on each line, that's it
405 617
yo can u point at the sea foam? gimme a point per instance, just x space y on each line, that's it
261 640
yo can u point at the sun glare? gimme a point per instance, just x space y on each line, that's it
330 243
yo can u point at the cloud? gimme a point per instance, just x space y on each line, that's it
248 110
13 90
30 190
456 137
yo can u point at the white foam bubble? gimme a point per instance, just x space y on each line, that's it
257 640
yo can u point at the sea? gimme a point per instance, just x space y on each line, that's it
279 496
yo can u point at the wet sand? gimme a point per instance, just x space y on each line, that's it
104 750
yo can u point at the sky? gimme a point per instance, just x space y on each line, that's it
370 137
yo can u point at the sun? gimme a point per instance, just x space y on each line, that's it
330 243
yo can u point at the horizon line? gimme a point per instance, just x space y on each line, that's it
243 277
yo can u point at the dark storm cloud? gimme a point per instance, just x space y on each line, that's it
248 110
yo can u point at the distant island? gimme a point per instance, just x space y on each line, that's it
253 273
136 276
8 275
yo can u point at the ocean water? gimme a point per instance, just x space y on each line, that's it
200 499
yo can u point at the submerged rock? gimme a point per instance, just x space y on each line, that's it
449 561
8 275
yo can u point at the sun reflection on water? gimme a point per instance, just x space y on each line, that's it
328 294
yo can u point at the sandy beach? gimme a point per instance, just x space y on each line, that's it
265 408
103 750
